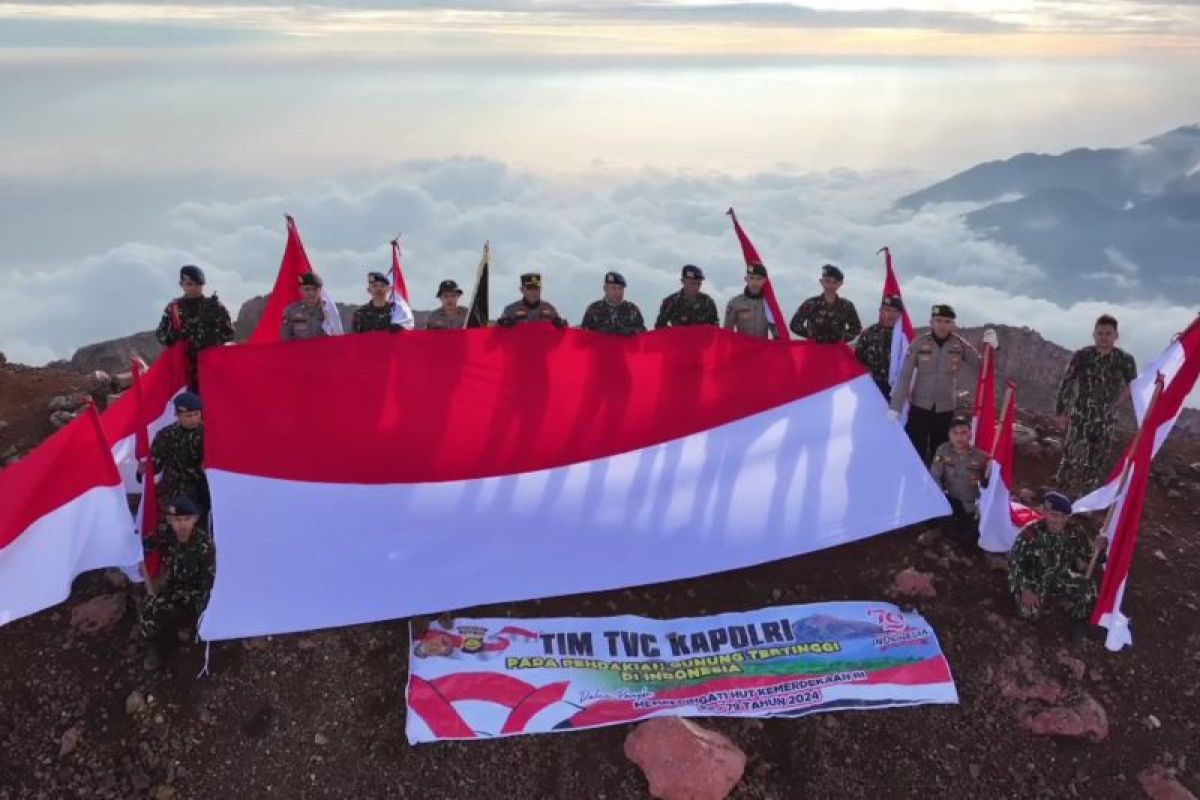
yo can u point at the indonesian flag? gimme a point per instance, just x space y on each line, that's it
148 516
130 416
891 285
750 255
64 512
287 291
1000 519
534 463
1178 365
402 314
983 417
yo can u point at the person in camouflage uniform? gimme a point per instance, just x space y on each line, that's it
178 452
1048 564
874 346
827 318
376 315
747 312
449 315
688 306
178 594
1095 380
613 314
531 307
959 468
198 320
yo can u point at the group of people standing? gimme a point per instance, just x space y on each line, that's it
1045 565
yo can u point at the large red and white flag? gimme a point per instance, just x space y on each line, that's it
1178 365
402 314
891 286
129 416
64 512
1000 518
148 515
533 462
287 291
750 256
983 416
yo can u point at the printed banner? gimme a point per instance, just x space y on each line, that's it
483 678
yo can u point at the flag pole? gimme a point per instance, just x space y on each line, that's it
1008 393
485 259
1101 541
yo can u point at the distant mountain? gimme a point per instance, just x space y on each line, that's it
823 628
1099 222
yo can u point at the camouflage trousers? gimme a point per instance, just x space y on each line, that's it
164 611
1074 595
1084 464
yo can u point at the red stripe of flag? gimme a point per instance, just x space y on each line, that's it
287 286
142 450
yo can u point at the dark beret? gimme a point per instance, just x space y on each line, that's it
944 310
310 279
448 287
182 507
756 269
378 277
192 273
532 280
614 277
893 301
691 271
188 401
830 271
1057 501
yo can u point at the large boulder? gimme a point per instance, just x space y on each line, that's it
115 355
683 761
1083 719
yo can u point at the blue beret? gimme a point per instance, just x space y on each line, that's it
188 401
182 507
615 277
192 273
1057 501
691 271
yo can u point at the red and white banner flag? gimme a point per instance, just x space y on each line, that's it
64 512
983 416
402 314
287 291
1178 365
750 256
1001 519
147 516
891 286
533 462
124 419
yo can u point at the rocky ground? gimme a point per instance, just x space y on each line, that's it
322 714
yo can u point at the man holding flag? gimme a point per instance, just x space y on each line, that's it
747 312
305 318
874 346
178 452
1048 564
376 315
200 321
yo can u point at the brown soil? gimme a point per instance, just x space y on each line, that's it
252 727
24 395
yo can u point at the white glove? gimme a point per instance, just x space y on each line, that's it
893 415
990 337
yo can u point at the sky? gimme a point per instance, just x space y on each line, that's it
577 135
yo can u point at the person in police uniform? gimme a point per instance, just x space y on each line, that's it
376 315
688 306
827 318
449 315
531 307
613 313
305 318
959 468
929 380
874 345
747 312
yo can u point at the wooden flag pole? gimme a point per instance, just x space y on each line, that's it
1101 542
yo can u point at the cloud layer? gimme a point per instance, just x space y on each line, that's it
572 228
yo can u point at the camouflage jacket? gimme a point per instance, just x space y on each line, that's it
202 321
874 350
521 311
676 310
189 568
747 313
1041 558
603 317
826 322
371 317
960 473
440 320
1093 383
179 455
